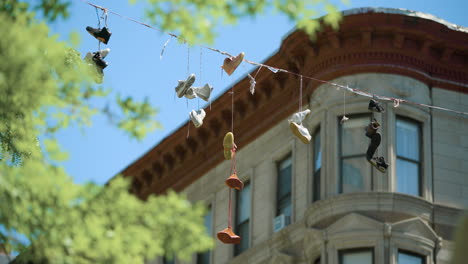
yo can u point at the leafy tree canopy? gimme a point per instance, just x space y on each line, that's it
45 86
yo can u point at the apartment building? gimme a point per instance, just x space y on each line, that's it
322 202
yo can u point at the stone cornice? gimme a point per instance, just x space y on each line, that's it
366 42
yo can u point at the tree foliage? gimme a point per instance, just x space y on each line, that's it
45 86
197 20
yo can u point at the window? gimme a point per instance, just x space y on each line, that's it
317 260
356 173
405 257
356 256
204 258
242 219
167 260
408 162
283 195
317 166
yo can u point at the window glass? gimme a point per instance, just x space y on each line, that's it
283 202
407 177
356 173
353 139
243 205
409 258
407 139
364 256
408 162
204 258
317 166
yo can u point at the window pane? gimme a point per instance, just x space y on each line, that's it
284 206
204 258
243 232
356 257
407 139
283 199
353 139
407 177
405 258
356 175
243 204
317 152
316 193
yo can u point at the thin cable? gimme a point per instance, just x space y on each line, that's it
232 107
300 95
229 209
353 90
188 59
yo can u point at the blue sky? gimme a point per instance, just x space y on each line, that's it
99 152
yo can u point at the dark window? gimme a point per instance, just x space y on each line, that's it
317 166
317 261
167 260
283 195
356 172
356 256
242 219
204 258
408 153
406 257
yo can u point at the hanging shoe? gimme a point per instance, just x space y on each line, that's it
375 106
300 131
234 182
379 163
227 236
229 145
299 116
372 128
101 34
97 58
182 86
202 92
197 117
230 64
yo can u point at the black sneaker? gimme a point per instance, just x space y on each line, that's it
381 164
99 61
375 106
102 34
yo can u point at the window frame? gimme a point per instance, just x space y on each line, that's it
209 252
421 153
290 193
411 253
341 252
340 150
316 174
237 250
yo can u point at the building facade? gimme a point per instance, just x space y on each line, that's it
322 202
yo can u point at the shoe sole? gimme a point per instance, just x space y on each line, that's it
295 130
228 144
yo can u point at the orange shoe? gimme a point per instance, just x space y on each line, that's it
234 182
227 236
230 64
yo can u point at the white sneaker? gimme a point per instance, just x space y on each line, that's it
182 86
300 131
197 117
202 92
299 116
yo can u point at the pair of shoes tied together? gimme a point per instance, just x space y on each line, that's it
295 124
